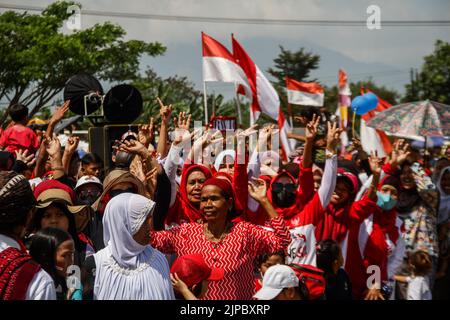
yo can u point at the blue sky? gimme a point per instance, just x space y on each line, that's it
385 54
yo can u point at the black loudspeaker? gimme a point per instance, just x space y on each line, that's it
101 140
122 104
85 94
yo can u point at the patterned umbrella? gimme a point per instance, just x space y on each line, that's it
414 120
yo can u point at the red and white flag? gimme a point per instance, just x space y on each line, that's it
220 65
373 139
304 93
264 97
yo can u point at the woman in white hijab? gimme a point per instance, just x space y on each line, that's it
128 268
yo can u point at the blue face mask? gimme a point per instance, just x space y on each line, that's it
385 201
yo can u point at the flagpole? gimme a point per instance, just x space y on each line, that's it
290 114
238 104
205 102
353 124
213 105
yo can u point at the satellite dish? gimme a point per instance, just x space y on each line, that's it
85 94
122 104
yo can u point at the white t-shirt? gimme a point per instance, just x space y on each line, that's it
41 286
418 288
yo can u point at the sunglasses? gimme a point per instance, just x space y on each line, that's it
85 193
278 187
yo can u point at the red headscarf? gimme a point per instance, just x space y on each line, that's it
386 219
223 184
376 248
288 212
185 209
228 191
225 175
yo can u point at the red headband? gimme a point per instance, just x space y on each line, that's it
222 184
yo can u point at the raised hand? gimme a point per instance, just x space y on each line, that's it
249 131
134 147
399 153
209 138
257 189
164 111
375 163
60 112
146 133
333 135
183 136
53 146
264 137
356 145
72 144
183 121
300 120
241 135
311 128
23 156
374 294
137 169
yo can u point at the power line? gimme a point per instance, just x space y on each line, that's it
386 73
305 22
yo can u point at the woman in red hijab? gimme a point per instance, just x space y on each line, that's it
223 243
376 241
187 202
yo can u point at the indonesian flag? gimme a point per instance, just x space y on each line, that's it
220 65
304 93
264 97
373 139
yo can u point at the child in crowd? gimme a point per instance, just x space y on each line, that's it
264 262
330 260
280 282
54 249
190 275
418 284
18 136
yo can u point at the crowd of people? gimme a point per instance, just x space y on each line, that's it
179 217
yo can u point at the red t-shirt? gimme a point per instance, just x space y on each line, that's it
19 137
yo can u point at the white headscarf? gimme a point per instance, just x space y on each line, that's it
123 217
444 205
126 269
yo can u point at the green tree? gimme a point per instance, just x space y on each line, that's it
36 58
433 80
331 93
295 65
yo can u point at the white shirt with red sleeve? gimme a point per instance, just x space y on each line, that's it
302 249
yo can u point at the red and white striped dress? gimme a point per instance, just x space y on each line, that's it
235 253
